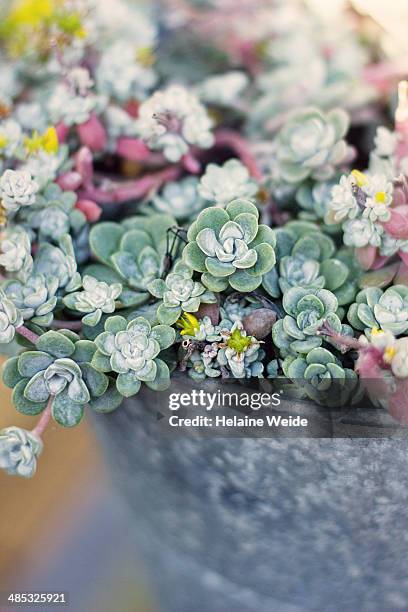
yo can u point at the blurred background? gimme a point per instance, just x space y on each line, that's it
65 529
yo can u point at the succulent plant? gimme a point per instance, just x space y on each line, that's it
133 254
58 262
17 188
306 310
19 450
229 247
179 292
240 353
377 308
311 144
96 299
203 364
222 184
15 252
54 214
181 199
323 377
305 257
314 198
10 319
202 330
131 350
172 120
35 299
59 370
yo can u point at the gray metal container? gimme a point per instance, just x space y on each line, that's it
264 525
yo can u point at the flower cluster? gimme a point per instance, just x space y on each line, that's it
163 212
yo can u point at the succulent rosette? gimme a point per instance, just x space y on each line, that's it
180 293
307 310
19 450
387 309
36 299
230 247
131 350
58 370
132 254
97 298
10 319
311 144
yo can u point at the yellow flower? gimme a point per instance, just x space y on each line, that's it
380 197
376 332
145 57
3 142
360 178
389 354
31 12
47 142
189 324
238 342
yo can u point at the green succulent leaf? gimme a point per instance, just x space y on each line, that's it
128 384
66 412
104 239
31 362
164 335
168 315
84 351
56 344
10 373
101 362
109 401
24 405
162 380
96 381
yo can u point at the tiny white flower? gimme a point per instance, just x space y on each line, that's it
11 137
379 191
343 202
80 79
399 358
15 252
221 184
385 142
17 188
66 106
223 89
173 119
362 232
120 75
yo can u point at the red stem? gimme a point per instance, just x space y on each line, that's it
27 333
43 420
240 146
72 325
130 190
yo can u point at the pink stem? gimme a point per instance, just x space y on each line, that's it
346 342
130 190
190 163
27 333
44 419
72 325
382 73
229 138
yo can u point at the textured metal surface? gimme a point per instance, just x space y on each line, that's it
263 525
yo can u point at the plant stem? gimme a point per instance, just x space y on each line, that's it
43 420
344 342
27 333
130 190
231 139
72 325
